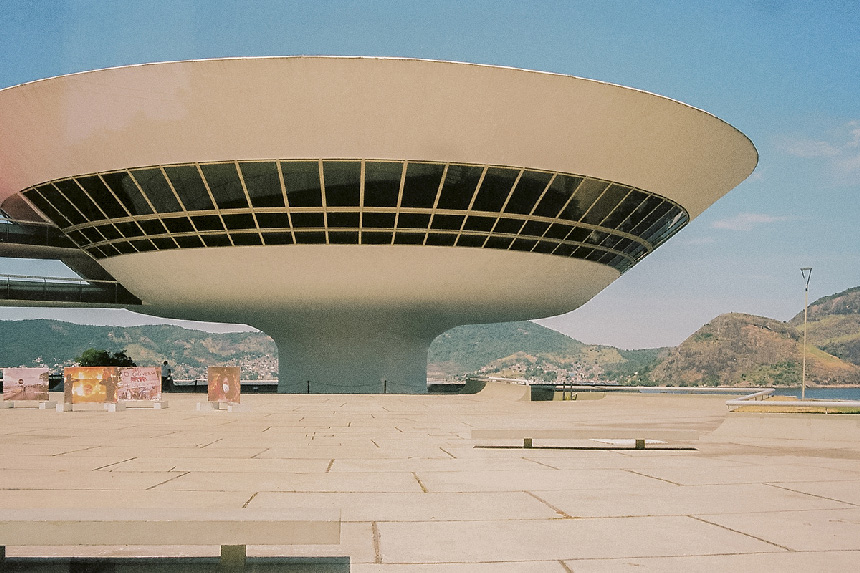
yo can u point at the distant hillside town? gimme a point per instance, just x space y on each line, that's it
731 350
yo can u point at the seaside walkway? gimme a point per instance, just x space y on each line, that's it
760 492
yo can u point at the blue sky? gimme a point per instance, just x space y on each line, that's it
785 73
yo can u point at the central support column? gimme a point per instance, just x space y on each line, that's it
352 352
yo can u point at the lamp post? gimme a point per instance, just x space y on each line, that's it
806 273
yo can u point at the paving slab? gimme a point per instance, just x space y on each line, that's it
411 507
524 540
818 561
814 530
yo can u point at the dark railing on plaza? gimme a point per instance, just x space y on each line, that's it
33 233
64 290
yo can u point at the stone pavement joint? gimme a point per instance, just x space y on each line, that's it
762 492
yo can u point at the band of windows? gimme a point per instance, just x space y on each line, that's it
280 202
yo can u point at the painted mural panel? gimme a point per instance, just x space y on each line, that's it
224 384
93 384
139 383
25 384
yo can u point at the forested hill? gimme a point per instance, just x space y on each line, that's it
56 344
733 349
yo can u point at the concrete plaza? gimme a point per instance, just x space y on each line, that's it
760 492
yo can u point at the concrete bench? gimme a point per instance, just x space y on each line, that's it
640 436
232 530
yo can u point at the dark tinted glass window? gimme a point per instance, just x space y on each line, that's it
471 240
223 180
216 240
342 180
498 242
557 196
189 242
63 206
239 222
527 192
452 222
564 250
661 209
130 229
80 200
189 186
143 245
607 202
310 238
273 220
302 182
642 210
421 185
246 239
207 223
45 207
109 232
557 231
495 189
508 226
534 228
441 239
101 195
262 182
92 235
151 227
401 238
178 224
544 247
378 220
523 244
127 192
343 220
413 221
626 209
381 183
587 191
278 238
579 234
124 248
459 186
375 238
164 243
479 223
305 220
343 237
153 183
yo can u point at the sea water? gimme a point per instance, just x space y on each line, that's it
852 393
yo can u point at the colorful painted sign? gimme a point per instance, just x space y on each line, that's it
224 384
94 384
139 383
25 384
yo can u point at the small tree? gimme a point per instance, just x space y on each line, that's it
96 357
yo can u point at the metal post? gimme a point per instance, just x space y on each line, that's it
806 273
384 386
309 386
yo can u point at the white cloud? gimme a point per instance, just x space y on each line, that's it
841 150
745 221
810 148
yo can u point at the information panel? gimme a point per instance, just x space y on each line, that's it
93 384
25 384
139 383
224 384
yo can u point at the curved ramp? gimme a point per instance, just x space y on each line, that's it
502 391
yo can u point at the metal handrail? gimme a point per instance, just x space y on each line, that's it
759 398
96 291
38 232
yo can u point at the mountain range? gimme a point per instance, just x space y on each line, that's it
731 350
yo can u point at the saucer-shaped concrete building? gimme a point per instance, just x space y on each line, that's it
355 208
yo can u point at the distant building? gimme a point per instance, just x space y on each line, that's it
355 208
